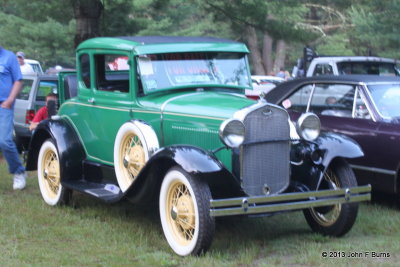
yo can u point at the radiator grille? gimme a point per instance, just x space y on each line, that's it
265 166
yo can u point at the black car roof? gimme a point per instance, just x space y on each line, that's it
283 90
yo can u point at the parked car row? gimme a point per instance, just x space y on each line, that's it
173 124
167 119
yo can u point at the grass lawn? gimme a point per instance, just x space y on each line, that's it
92 233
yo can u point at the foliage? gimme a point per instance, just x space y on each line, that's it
45 30
177 17
374 28
48 41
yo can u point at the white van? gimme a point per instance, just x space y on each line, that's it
37 68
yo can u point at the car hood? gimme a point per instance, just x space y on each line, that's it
203 104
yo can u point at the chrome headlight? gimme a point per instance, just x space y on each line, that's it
308 126
232 133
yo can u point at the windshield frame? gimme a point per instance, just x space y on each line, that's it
242 58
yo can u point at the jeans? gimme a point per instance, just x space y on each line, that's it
7 145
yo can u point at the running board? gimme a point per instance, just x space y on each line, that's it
288 201
105 192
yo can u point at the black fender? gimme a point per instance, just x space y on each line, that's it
336 145
70 150
196 161
311 159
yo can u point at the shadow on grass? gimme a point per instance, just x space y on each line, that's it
391 201
232 233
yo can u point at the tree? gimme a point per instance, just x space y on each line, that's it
266 26
87 14
373 28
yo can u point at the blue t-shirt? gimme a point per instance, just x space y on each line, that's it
10 72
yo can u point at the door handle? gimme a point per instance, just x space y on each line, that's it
91 100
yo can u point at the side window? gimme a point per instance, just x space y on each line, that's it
333 100
26 89
46 87
85 69
112 73
323 69
299 100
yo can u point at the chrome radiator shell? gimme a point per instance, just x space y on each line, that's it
265 153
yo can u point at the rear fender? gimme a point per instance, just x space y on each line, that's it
193 160
70 150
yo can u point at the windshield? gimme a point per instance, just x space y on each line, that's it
203 69
362 67
387 99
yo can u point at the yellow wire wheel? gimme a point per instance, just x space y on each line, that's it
327 216
182 219
133 146
49 175
132 155
334 220
184 212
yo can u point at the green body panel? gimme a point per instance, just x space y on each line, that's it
179 117
188 118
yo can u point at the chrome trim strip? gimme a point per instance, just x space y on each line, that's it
371 169
288 201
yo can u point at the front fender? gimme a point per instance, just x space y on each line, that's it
311 159
335 145
70 150
197 162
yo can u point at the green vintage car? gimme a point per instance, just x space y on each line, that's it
166 118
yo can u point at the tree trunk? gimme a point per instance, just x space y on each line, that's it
280 55
87 15
267 53
255 55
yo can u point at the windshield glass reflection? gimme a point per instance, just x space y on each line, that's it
179 70
387 99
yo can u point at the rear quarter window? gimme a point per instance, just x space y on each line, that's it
26 89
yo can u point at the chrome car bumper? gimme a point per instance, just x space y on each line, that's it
288 201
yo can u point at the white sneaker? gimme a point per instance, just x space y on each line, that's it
19 181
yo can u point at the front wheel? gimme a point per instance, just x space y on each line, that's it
49 176
338 219
185 213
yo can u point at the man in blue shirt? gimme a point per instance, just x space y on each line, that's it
10 86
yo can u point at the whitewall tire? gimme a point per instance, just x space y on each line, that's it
185 213
134 144
49 175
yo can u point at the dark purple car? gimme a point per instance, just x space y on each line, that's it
365 108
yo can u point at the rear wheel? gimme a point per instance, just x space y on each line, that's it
338 219
132 149
185 213
49 176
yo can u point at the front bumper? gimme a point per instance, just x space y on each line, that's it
288 201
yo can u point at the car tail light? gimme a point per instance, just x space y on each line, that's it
30 114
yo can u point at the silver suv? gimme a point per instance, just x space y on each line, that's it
31 98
